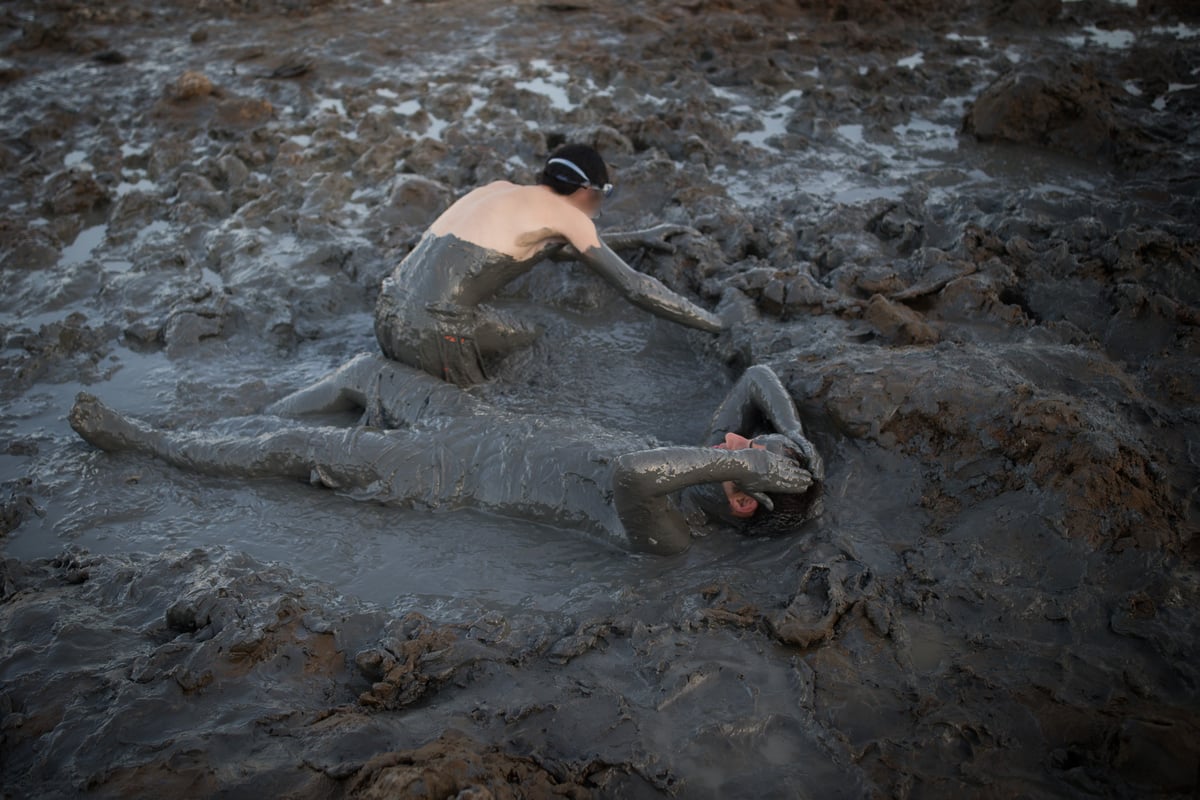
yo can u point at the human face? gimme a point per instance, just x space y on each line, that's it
592 197
604 191
741 505
591 202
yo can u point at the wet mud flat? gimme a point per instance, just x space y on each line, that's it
965 234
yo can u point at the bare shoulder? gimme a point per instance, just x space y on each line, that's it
487 192
465 213
513 219
555 213
495 187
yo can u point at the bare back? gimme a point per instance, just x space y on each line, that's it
432 312
519 221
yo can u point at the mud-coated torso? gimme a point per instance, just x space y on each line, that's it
447 269
444 449
428 314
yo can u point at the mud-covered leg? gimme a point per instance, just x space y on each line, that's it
281 453
393 395
101 426
344 389
498 333
349 459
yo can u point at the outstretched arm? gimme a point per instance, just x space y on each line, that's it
759 400
646 292
636 287
654 238
644 480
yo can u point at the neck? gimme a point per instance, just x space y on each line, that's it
577 199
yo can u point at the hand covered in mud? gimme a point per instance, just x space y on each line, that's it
809 454
772 473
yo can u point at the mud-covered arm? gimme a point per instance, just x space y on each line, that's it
644 480
646 292
655 238
758 399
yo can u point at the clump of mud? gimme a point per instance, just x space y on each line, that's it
965 234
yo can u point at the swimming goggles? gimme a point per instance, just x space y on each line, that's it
606 190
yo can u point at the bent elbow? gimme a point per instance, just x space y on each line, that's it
633 473
759 372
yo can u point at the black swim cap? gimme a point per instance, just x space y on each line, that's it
571 166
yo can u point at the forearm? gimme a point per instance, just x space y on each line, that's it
627 240
647 293
643 483
757 397
664 470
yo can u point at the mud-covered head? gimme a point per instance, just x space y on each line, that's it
787 511
790 510
573 167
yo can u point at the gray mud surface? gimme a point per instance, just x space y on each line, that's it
964 233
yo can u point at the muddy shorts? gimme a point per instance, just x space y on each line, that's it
451 356
438 341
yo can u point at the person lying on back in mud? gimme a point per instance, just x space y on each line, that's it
428 444
431 312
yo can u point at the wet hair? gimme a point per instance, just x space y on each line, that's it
790 512
563 179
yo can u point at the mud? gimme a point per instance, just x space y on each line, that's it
963 233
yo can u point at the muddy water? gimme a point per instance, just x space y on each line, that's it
964 234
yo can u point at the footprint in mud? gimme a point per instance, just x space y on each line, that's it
419 658
825 594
